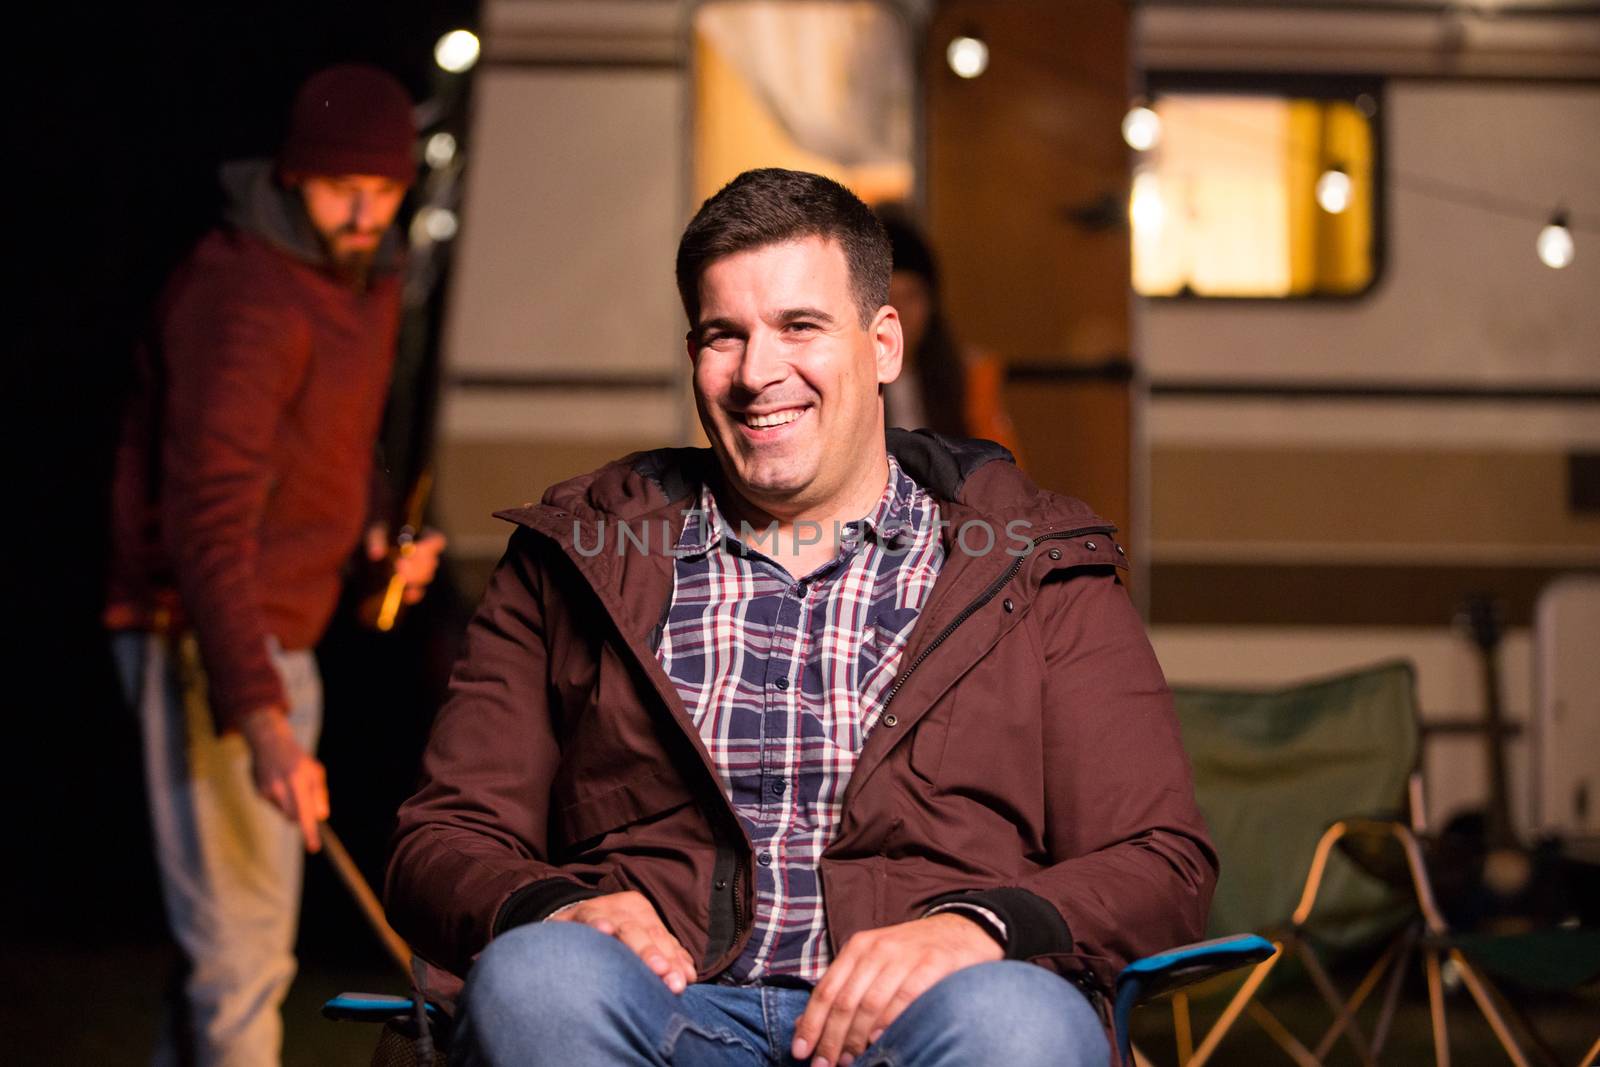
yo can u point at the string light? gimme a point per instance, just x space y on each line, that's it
456 51
1333 190
434 224
967 55
1141 128
1146 209
1555 245
440 149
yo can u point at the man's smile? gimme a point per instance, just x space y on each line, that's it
763 425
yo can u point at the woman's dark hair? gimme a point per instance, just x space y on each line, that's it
770 206
941 374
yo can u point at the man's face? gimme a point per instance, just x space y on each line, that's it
350 212
786 378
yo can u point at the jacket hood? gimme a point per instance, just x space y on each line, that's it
258 205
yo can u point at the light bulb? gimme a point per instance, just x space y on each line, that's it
456 51
967 56
1141 128
1333 190
440 150
434 224
1146 208
1555 243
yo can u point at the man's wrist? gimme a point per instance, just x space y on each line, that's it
537 901
1033 925
263 722
981 917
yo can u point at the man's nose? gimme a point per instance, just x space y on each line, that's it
361 210
762 364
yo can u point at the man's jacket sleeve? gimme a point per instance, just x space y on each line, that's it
231 369
471 851
1120 796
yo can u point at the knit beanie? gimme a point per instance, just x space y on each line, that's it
350 119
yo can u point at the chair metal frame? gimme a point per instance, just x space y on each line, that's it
1428 936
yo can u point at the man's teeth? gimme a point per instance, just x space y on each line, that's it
777 418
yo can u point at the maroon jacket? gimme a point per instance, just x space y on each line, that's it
243 476
1027 758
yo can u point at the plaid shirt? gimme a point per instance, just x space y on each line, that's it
785 679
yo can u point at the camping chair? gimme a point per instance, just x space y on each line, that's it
1279 775
404 1043
1273 769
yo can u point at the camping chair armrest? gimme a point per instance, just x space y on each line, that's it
1410 848
1169 971
372 1008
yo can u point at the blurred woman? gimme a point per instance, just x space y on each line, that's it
943 386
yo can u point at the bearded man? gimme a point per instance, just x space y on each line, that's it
243 483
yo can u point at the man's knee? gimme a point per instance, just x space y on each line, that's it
558 967
1016 1013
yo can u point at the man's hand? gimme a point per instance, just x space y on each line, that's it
287 775
876 975
630 918
417 564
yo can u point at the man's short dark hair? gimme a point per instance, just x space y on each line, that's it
770 206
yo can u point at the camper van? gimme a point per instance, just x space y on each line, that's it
1301 293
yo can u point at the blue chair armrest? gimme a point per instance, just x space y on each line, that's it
1175 968
372 1008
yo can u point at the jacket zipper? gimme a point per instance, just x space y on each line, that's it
739 918
983 598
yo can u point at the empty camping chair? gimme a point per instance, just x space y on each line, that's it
1274 769
1315 810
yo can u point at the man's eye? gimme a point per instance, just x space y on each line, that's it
800 327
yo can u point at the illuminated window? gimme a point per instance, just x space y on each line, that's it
1245 194
825 87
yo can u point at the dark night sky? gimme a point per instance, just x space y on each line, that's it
120 116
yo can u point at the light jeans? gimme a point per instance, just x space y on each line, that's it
550 994
230 863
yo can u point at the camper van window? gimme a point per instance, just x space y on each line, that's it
1255 194
770 91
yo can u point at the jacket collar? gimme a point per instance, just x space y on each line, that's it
974 482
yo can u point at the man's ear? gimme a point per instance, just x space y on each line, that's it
888 343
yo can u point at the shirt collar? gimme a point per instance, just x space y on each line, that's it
890 522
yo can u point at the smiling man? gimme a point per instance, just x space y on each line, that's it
870 762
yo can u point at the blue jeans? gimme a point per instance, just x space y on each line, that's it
565 994
230 863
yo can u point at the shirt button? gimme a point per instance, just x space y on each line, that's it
765 859
721 883
782 683
890 719
778 787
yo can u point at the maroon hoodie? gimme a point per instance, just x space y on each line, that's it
242 478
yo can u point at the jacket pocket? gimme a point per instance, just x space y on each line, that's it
630 802
928 740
